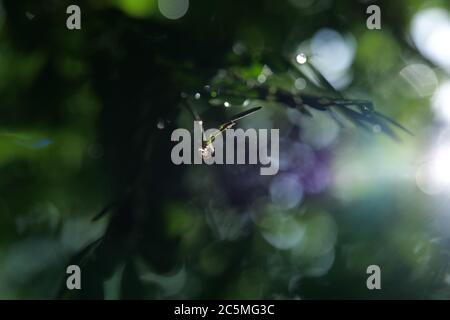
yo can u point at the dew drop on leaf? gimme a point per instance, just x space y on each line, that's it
301 58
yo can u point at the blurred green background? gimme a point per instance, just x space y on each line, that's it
85 123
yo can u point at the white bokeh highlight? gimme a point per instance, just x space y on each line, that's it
430 30
173 9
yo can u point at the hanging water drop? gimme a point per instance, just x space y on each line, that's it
366 110
160 125
197 96
301 58
226 104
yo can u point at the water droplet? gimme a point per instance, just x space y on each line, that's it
207 88
377 128
197 96
226 104
207 152
301 58
366 109
160 125
262 78
246 102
